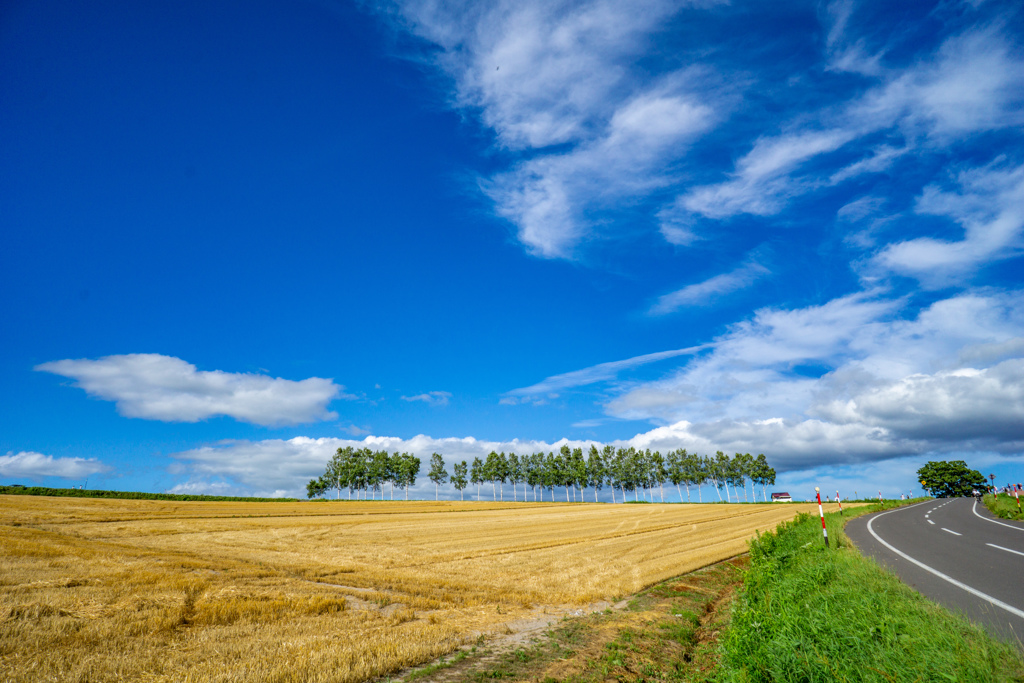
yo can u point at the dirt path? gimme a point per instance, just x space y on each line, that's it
669 631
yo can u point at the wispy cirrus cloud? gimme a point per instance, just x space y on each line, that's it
988 204
601 372
157 387
434 398
559 85
708 291
972 83
37 466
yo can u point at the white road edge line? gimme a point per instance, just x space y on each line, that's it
1015 552
975 510
955 533
973 591
931 522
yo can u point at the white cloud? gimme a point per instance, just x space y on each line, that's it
850 381
972 83
967 404
763 180
37 466
157 387
704 293
548 197
860 208
598 373
434 398
989 206
539 72
556 80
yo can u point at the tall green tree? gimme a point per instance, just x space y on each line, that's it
476 475
675 465
718 471
459 480
949 478
382 471
410 469
577 472
537 475
742 468
515 475
607 467
438 474
659 472
551 474
763 474
316 487
492 470
595 469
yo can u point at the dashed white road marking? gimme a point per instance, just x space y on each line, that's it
955 533
1015 552
973 591
931 522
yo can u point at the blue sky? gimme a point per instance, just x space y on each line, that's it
236 236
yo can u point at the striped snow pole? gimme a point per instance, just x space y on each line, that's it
840 503
879 496
817 492
1016 494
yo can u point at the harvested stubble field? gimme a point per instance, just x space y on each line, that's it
97 590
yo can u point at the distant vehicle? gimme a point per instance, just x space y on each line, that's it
782 497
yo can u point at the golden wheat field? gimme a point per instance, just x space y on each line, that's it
105 590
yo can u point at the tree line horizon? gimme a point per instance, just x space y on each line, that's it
365 471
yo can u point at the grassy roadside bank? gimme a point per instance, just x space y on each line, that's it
810 614
1003 506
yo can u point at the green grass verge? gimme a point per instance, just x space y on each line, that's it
129 495
807 613
1003 506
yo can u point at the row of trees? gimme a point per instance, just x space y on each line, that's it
365 471
623 470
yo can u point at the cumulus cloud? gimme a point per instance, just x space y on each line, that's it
156 387
850 380
38 466
434 398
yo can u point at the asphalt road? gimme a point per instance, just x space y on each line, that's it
956 553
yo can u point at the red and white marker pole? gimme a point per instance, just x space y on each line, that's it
1016 494
879 496
817 492
840 503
